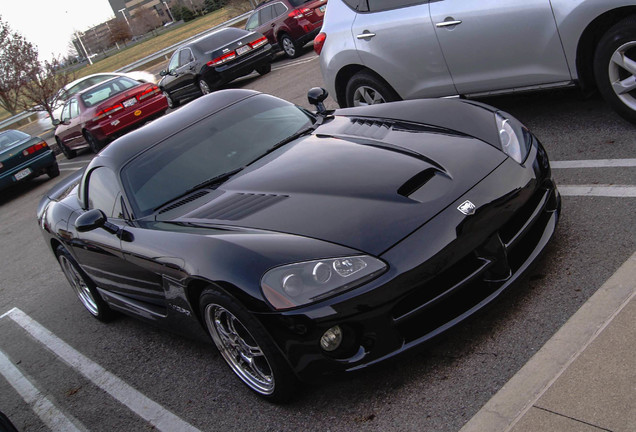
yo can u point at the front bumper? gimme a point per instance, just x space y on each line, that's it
437 277
37 165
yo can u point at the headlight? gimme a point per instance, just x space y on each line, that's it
302 283
514 137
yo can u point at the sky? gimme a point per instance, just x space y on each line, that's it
49 24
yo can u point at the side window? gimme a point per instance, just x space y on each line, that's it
74 108
279 9
104 192
185 57
266 14
252 23
174 61
380 5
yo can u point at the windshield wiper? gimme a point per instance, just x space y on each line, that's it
289 139
216 180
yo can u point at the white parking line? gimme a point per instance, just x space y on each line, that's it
146 408
598 163
42 406
614 191
296 63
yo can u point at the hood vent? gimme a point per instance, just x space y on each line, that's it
186 200
416 182
368 128
238 206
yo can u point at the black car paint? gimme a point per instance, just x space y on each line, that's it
183 82
156 267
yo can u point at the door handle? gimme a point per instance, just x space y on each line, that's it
365 35
447 23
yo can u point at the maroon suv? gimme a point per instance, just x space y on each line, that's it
288 24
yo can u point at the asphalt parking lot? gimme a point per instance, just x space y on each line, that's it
120 376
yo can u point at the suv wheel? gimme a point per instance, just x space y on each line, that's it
365 88
615 68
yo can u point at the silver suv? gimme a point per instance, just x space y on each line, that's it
374 51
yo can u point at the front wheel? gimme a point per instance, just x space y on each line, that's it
615 68
83 286
292 50
172 103
246 347
367 89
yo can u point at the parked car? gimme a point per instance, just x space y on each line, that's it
373 52
23 157
305 243
202 66
90 80
288 24
105 111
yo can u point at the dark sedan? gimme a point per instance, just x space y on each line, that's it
305 243
23 156
105 111
202 66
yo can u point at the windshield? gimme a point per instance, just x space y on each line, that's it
218 144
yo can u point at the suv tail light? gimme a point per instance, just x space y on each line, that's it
319 41
299 13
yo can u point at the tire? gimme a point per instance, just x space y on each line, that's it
82 285
289 47
365 88
171 102
53 171
264 69
204 87
94 144
246 347
615 68
70 154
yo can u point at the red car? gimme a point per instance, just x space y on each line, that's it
288 24
106 111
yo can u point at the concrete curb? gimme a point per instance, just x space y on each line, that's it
517 396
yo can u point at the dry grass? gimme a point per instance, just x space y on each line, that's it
150 46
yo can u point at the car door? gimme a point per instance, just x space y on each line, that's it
396 39
180 79
99 252
267 24
499 44
70 131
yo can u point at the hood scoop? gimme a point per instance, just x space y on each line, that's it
237 206
368 128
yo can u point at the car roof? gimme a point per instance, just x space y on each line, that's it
120 151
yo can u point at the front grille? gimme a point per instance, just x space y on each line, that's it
476 276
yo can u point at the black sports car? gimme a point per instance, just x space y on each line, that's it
305 243
201 66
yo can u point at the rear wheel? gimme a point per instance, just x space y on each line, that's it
53 170
83 286
70 154
246 347
95 144
367 89
292 50
615 68
264 69
204 87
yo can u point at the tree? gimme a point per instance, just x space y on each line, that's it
41 91
145 20
18 59
119 31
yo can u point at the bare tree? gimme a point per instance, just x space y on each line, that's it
145 20
18 58
119 31
41 92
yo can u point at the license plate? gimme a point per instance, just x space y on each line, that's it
22 174
242 50
323 8
130 102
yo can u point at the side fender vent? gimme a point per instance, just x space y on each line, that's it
188 199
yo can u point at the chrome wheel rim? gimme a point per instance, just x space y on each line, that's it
622 73
205 88
168 99
289 47
365 95
239 349
78 284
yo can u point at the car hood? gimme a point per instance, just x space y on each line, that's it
365 184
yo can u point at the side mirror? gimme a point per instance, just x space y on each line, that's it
56 122
90 220
316 96
163 73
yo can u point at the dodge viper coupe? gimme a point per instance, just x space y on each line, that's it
305 243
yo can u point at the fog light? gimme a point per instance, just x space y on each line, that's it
332 339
